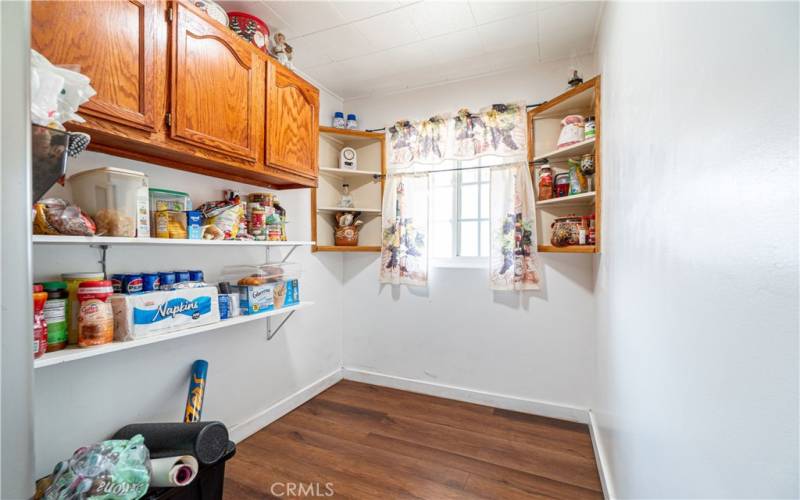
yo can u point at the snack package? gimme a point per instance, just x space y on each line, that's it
56 216
224 216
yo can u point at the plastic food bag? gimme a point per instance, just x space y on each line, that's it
115 469
56 93
571 131
56 216
225 217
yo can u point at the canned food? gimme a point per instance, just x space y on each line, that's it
150 282
166 281
116 282
132 283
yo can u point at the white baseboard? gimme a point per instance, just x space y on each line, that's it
600 458
257 422
502 401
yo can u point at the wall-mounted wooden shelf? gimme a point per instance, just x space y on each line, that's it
544 127
75 353
568 249
334 248
366 188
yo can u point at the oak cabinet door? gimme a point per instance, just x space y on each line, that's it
213 87
292 122
111 42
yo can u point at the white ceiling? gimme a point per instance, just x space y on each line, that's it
362 48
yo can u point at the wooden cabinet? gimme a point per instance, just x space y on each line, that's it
544 126
216 88
179 89
114 44
292 122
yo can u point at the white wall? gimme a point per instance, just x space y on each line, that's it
535 346
16 307
697 286
87 400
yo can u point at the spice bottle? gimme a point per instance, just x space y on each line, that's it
589 128
39 323
55 314
95 316
276 204
545 182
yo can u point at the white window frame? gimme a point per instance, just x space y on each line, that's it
456 260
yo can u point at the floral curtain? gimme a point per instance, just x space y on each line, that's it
404 244
514 265
499 131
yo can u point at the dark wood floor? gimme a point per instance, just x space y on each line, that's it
378 443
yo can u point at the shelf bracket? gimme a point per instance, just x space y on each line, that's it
270 332
285 257
103 250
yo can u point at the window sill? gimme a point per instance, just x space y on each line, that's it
461 263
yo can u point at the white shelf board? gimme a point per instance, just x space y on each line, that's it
76 353
575 199
340 172
111 240
341 209
578 149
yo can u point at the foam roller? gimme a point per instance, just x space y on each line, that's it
206 441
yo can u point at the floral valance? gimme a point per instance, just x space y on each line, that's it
498 130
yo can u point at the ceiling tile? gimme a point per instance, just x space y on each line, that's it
509 33
307 53
487 12
337 44
307 17
355 11
567 30
455 46
389 30
525 55
433 18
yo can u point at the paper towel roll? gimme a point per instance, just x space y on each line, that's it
172 471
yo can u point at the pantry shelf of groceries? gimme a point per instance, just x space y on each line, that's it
75 353
116 240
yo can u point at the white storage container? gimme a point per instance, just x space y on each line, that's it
117 200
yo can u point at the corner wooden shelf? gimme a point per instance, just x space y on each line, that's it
366 188
568 249
544 126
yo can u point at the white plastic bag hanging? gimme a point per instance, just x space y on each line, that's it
56 93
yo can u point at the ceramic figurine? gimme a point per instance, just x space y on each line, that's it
279 49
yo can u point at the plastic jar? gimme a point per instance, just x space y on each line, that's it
352 122
39 323
73 280
338 120
96 317
55 313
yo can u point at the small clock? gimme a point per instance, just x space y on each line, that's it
347 159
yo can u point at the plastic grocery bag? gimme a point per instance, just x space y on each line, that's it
115 469
56 93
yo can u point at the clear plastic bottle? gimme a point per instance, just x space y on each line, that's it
338 120
352 122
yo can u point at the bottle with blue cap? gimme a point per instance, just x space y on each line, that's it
352 122
338 120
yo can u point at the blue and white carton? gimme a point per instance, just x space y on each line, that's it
154 313
255 299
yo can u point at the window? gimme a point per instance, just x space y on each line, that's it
459 215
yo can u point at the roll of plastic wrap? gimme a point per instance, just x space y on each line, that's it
172 471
